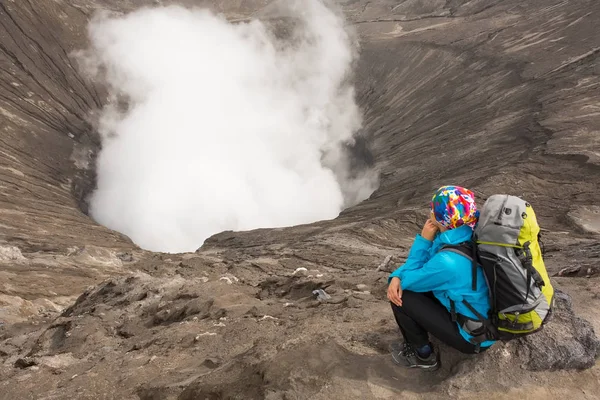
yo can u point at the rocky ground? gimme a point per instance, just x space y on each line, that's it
500 96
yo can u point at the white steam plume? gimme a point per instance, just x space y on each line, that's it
225 126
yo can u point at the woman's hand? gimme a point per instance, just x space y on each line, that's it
429 230
394 293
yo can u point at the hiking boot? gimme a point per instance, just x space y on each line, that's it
405 355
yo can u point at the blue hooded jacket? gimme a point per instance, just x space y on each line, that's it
447 274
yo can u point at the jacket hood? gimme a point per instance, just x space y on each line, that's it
455 236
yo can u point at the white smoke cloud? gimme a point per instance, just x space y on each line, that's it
226 127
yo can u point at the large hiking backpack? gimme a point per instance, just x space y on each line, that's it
506 246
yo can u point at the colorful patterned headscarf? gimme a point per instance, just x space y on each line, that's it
454 206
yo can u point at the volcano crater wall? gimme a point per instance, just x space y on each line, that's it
451 95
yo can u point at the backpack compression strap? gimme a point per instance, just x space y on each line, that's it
491 329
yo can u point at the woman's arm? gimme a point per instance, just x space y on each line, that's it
417 256
419 251
436 272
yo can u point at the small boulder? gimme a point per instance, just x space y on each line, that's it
300 272
566 341
11 253
26 362
211 362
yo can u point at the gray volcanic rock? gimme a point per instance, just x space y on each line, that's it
499 96
586 219
569 342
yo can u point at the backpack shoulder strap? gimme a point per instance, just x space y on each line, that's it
468 250
458 249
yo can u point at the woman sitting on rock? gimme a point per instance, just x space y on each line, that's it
426 287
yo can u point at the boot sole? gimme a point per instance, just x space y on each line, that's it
432 368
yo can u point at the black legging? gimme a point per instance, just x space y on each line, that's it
422 313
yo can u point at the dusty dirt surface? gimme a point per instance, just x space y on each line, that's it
499 96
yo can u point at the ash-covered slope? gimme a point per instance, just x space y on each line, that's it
500 96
